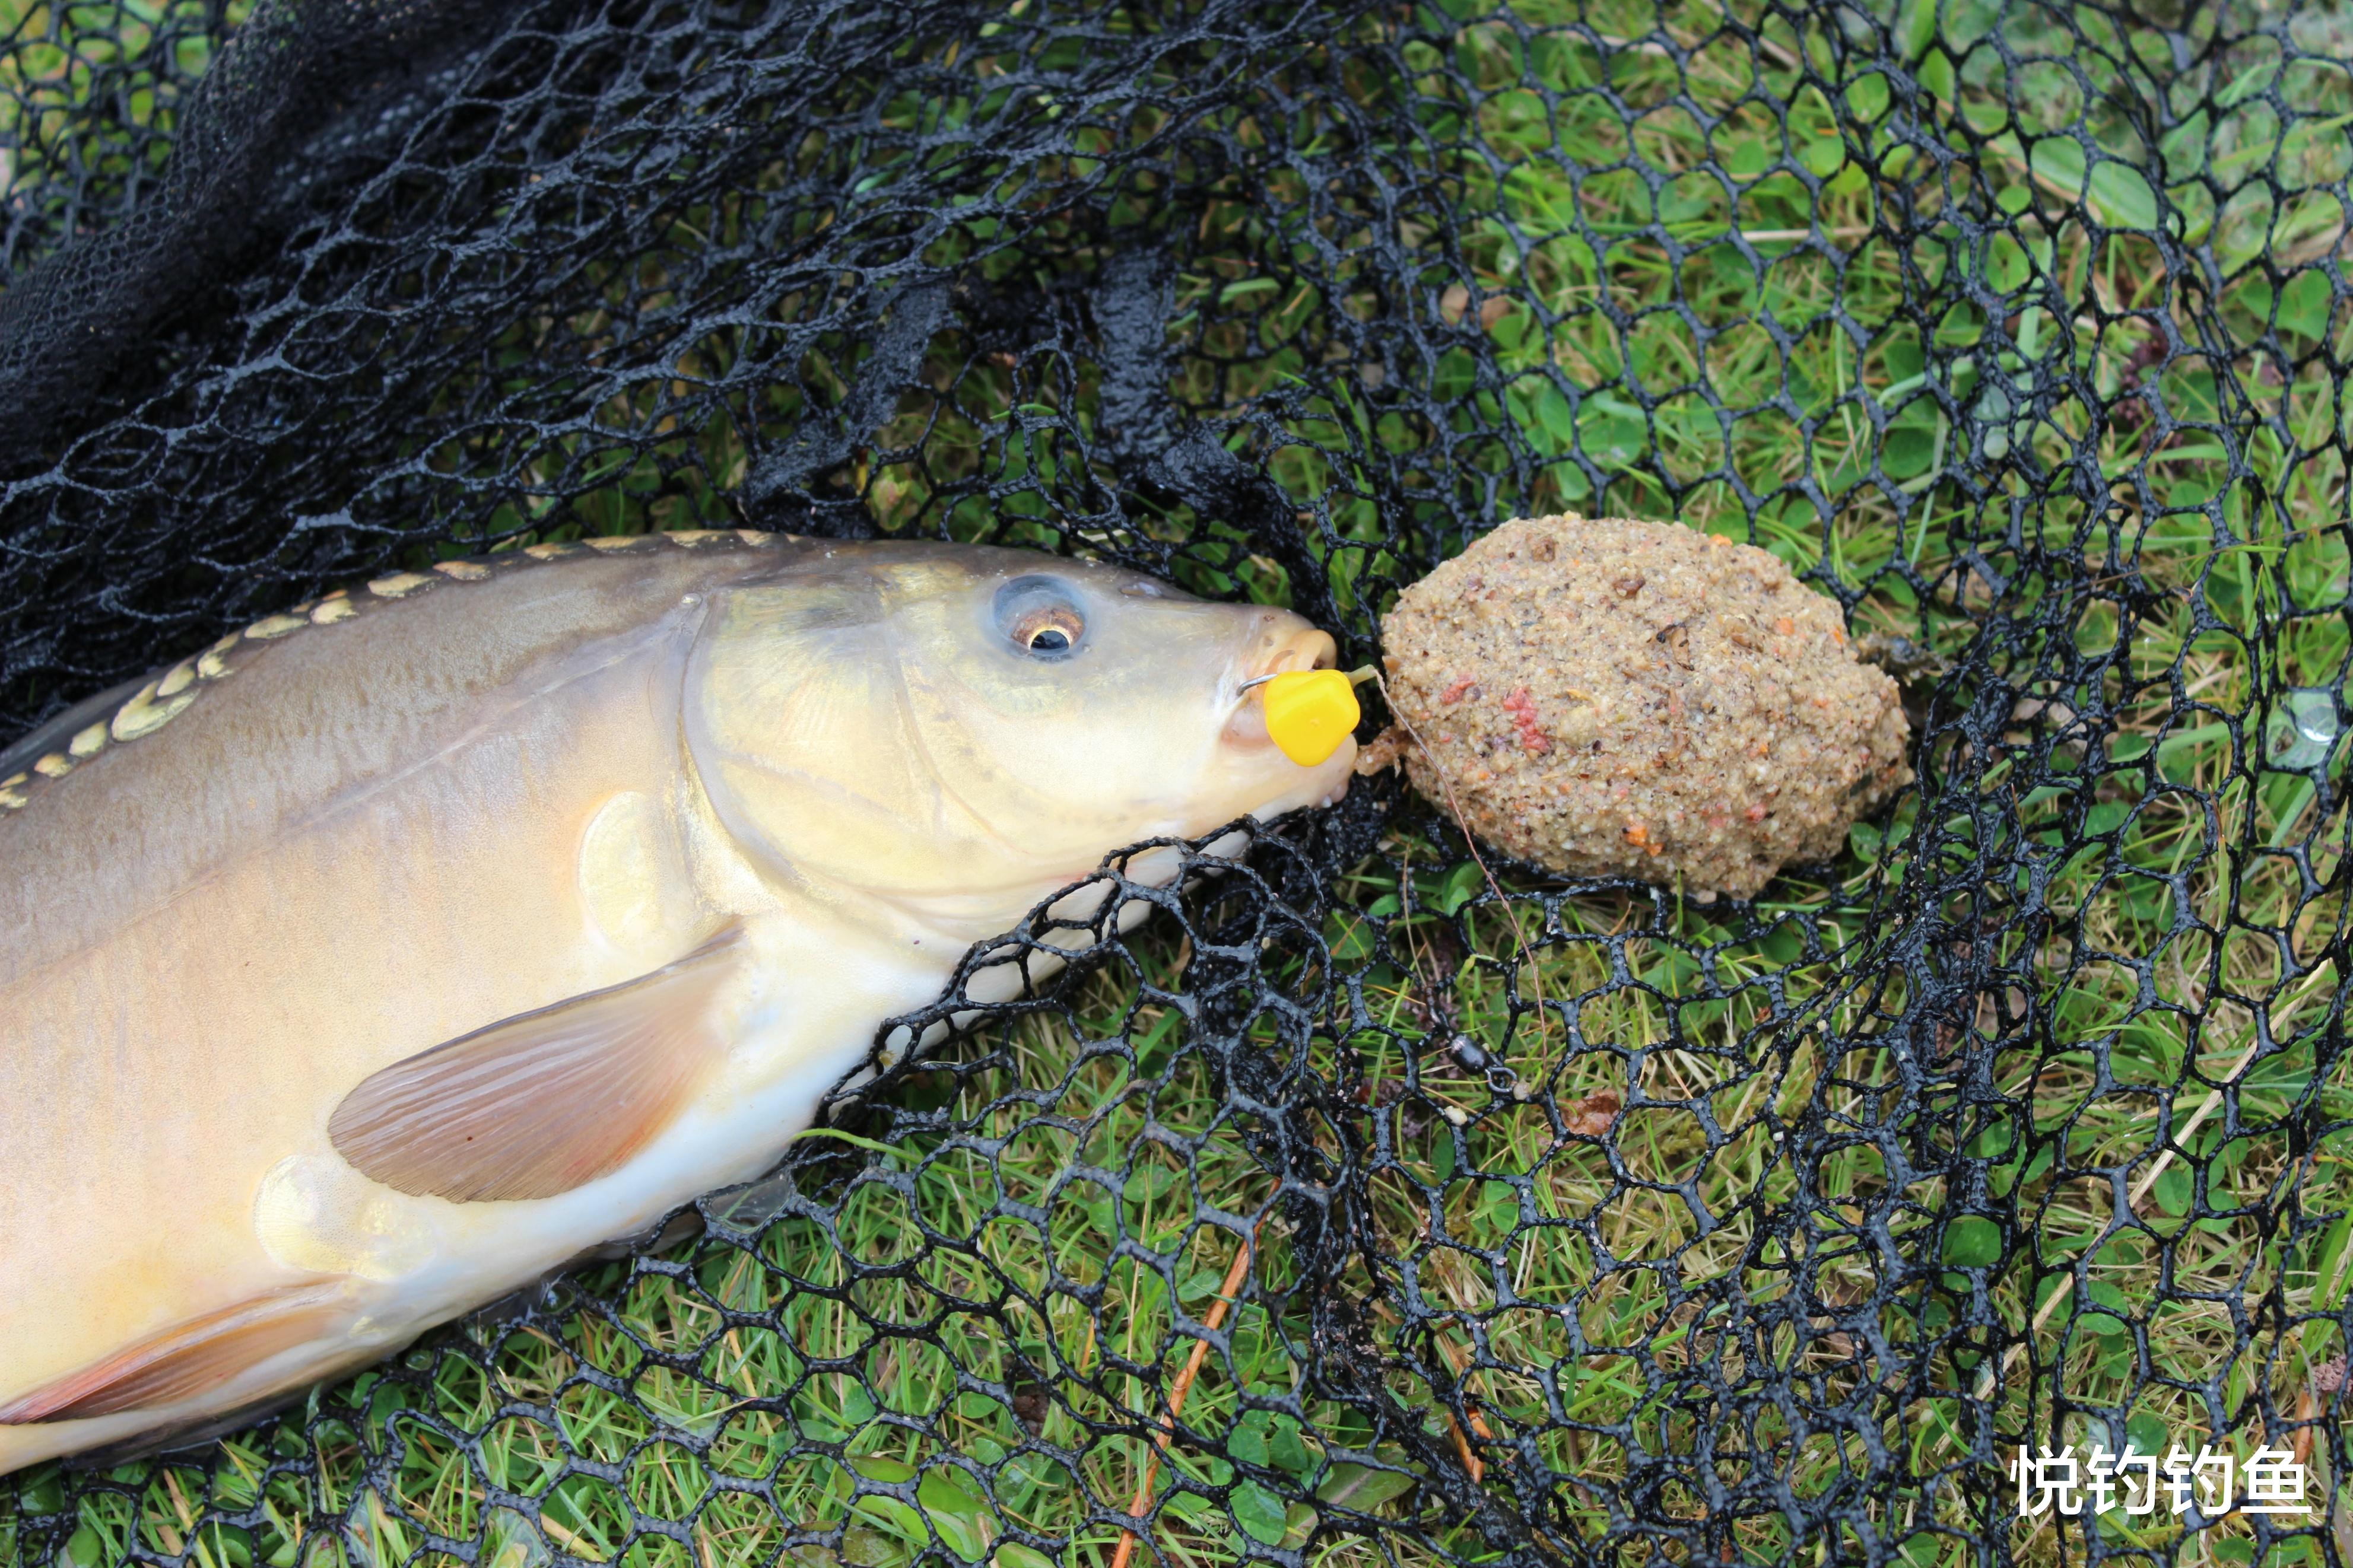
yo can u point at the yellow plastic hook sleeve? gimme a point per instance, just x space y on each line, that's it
1309 712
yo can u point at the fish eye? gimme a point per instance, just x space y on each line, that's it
1040 617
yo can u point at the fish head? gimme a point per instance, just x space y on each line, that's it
965 729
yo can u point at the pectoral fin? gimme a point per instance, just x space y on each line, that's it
545 1101
185 1360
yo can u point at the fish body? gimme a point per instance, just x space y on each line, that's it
397 951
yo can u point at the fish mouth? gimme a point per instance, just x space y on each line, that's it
1307 648
1313 789
1303 647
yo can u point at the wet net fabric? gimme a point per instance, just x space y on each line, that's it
1358 1207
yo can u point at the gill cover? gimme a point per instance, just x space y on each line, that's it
799 725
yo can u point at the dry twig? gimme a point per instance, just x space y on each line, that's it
1226 1294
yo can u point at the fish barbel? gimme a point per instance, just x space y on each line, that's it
399 948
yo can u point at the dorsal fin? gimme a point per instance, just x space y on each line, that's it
547 1100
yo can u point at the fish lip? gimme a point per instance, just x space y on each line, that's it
1316 788
1244 729
1268 659
1257 666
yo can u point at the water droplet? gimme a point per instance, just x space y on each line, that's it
2304 729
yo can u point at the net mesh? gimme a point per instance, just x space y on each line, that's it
1355 1209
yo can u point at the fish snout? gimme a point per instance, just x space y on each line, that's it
1304 647
1286 644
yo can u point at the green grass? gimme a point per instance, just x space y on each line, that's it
1859 478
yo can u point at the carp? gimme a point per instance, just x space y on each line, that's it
403 947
